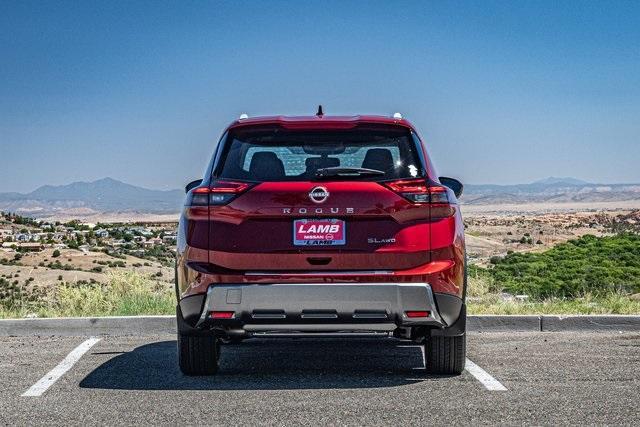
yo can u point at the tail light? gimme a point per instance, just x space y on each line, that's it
440 199
217 194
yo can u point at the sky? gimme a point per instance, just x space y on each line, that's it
502 92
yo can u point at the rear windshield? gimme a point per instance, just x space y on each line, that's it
286 155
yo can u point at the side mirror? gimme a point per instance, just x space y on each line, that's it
193 184
453 184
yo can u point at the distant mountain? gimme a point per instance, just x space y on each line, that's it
549 190
109 196
86 198
552 180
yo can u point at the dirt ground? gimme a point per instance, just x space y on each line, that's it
82 263
543 208
489 234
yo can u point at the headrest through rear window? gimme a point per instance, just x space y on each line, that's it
266 166
379 159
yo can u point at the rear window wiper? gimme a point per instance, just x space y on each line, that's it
347 172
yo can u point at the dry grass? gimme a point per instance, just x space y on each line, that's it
484 297
125 293
130 293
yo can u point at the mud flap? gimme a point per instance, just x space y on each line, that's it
184 328
457 329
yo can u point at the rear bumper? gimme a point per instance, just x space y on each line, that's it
331 307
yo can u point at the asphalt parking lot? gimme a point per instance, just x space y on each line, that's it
547 378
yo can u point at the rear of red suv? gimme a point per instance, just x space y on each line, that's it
321 225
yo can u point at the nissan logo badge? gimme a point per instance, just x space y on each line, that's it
318 194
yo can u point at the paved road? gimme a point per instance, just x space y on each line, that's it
551 378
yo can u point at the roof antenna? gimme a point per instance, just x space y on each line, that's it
320 113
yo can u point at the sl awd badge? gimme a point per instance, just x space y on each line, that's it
318 194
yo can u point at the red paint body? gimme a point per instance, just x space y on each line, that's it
388 237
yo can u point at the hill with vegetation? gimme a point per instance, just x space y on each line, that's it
594 266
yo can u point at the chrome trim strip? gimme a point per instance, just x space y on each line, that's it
347 327
322 273
316 335
319 316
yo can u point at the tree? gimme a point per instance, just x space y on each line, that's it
56 253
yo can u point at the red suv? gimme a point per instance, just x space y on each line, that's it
321 224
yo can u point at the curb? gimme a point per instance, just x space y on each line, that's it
495 323
85 326
589 323
161 325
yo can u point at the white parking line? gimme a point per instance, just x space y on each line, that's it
476 371
483 376
67 363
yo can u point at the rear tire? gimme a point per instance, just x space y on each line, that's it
445 355
198 355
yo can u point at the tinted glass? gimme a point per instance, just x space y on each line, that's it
284 155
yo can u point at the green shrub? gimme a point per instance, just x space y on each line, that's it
57 265
588 265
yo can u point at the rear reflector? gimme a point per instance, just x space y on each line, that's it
222 314
413 314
